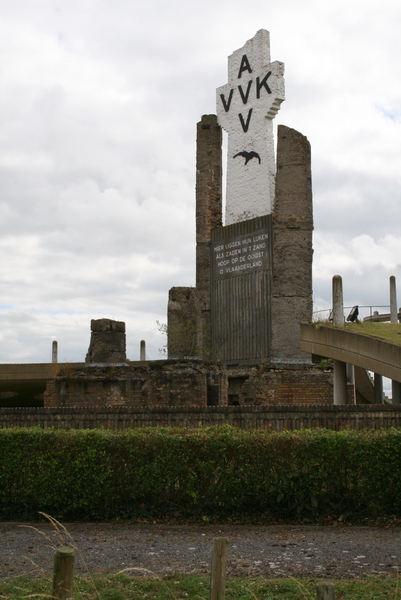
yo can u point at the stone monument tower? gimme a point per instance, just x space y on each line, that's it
254 274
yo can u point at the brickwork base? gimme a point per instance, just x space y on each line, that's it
187 383
270 418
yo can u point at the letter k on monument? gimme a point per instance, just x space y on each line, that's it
246 106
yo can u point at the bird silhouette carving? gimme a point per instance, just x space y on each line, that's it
248 156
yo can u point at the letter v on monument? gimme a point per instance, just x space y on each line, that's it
246 106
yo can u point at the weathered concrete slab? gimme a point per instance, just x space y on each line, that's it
32 371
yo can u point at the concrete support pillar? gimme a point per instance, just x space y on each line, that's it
351 378
54 352
396 392
339 367
340 382
350 374
338 304
393 300
378 389
143 350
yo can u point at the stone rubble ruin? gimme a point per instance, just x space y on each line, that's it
107 343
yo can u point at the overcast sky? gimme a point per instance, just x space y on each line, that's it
99 102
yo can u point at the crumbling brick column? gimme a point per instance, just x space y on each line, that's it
107 343
292 245
189 308
208 215
183 323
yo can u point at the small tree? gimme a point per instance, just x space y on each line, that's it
183 340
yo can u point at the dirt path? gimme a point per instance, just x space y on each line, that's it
272 551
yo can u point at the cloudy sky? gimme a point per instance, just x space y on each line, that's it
99 101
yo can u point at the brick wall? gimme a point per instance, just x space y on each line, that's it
157 382
271 418
187 383
282 387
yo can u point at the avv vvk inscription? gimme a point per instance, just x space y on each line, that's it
246 106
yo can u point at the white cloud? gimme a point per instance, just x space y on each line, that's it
98 109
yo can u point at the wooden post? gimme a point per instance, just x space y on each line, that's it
63 574
218 574
325 591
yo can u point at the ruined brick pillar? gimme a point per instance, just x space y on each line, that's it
182 323
292 246
188 313
107 343
208 214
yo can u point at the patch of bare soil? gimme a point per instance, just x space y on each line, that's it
270 551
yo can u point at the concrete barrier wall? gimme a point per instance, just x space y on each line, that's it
363 351
31 371
270 418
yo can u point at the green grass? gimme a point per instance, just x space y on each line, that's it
177 587
390 332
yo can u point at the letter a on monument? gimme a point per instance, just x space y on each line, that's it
246 106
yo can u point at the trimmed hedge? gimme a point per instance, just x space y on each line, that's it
217 472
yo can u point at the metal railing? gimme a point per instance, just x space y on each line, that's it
366 313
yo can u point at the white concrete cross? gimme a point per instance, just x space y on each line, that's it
246 106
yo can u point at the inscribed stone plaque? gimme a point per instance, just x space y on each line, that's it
241 256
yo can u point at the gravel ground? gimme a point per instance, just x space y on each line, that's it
271 551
